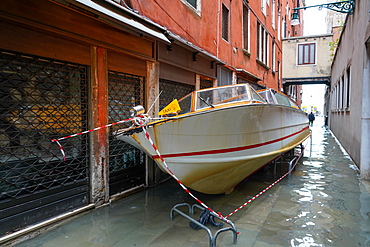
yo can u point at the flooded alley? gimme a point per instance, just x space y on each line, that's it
322 203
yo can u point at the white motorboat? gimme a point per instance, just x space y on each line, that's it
222 135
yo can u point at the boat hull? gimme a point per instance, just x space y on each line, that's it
211 152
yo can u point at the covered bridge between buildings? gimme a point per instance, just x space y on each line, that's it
306 81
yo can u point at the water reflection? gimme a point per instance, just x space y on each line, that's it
328 196
304 242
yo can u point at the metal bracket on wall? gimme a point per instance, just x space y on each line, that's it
342 6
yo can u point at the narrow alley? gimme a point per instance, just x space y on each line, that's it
322 203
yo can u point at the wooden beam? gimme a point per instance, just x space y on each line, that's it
99 145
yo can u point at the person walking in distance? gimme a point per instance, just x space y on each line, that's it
311 118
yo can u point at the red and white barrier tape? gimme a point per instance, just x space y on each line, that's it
142 121
202 203
267 188
85 132
178 181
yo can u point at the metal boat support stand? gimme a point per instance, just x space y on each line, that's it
289 158
212 239
294 158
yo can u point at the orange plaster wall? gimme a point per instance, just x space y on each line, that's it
179 19
205 30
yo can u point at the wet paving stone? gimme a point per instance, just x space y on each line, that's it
322 203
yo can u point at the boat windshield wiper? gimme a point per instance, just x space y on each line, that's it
204 101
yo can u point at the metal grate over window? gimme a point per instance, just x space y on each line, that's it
172 90
41 99
206 83
225 22
125 161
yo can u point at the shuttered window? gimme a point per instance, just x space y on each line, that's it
306 53
245 28
262 44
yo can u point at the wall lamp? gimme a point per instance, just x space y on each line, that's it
342 7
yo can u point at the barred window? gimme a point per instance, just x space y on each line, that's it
225 23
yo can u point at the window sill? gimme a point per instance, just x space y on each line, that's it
262 64
246 52
307 64
191 7
225 40
341 110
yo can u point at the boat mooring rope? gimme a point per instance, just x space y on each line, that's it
268 187
142 121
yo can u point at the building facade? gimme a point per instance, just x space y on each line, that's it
350 88
65 68
245 35
306 60
73 65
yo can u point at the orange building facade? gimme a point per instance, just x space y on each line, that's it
245 35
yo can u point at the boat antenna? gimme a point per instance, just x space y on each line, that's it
154 102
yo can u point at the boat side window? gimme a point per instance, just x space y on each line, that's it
256 96
293 104
282 99
268 96
185 104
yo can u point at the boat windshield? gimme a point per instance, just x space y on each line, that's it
268 95
273 97
211 97
185 103
228 94
282 99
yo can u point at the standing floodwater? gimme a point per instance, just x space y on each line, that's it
323 203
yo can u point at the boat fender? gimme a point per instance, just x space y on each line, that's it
205 218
